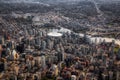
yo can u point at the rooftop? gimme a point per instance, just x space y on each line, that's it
54 34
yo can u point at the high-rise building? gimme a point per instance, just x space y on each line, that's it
1 50
38 74
13 44
60 56
73 77
3 41
5 65
110 75
28 63
1 67
117 75
43 62
14 55
33 63
55 69
43 46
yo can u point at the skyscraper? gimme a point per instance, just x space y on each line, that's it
43 62
43 46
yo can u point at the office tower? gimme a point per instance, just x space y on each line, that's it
105 76
43 45
38 61
26 31
48 43
16 69
5 65
110 75
32 42
113 46
117 75
73 77
44 33
57 48
1 50
1 67
63 56
84 50
60 56
51 44
63 52
35 77
118 55
28 63
0 40
34 31
9 44
33 63
3 41
55 69
50 59
13 77
100 40
20 47
14 55
68 75
40 33
31 32
29 44
37 41
43 62
119 51
13 44
85 38
68 61
38 75
96 40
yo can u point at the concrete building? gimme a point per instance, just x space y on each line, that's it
43 62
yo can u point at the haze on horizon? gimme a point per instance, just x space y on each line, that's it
38 1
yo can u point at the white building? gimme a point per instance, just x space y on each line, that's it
14 55
54 34
43 61
73 77
55 68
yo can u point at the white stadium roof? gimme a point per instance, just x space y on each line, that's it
54 34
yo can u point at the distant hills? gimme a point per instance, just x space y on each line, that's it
18 1
112 7
37 1
52 1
